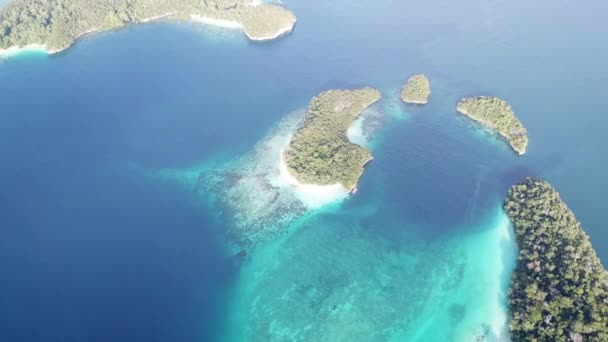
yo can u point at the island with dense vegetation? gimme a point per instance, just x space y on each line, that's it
559 290
497 115
416 90
320 152
54 25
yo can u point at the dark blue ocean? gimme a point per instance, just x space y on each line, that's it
96 246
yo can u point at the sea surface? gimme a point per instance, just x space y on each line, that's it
120 212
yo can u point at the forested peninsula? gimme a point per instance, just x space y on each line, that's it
497 115
320 152
416 90
559 290
56 24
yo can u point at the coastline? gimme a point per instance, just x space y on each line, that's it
323 194
16 50
281 32
313 196
229 24
416 102
223 23
310 195
52 52
355 133
416 90
157 17
321 152
233 24
489 126
499 249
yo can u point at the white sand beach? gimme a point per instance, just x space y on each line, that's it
16 50
312 196
230 24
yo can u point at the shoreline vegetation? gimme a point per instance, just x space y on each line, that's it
416 90
497 115
55 25
320 152
559 290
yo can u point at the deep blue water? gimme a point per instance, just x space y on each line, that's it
91 249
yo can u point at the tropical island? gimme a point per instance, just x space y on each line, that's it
54 25
416 90
559 290
497 115
320 152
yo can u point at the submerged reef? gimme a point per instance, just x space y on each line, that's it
255 193
320 152
497 115
337 278
248 190
57 24
416 90
559 290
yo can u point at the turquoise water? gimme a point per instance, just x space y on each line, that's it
138 175
363 268
374 288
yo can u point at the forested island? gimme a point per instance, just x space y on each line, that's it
559 290
56 24
496 114
320 152
416 90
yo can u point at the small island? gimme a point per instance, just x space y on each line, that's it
416 90
320 152
497 115
559 290
54 25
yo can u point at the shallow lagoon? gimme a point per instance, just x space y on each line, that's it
103 220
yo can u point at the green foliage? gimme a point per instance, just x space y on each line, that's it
497 115
416 90
559 290
58 23
320 152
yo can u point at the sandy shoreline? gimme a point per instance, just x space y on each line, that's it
158 17
223 23
15 50
319 195
313 196
291 180
232 24
416 102
229 24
